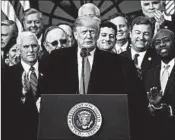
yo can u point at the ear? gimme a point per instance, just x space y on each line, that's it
130 32
75 35
17 50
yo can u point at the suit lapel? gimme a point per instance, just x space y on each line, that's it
146 61
170 80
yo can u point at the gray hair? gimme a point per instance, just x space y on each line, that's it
23 35
12 25
87 20
32 11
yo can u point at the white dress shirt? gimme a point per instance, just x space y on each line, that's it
171 64
90 58
117 49
27 68
140 57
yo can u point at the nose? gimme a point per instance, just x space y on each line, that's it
151 6
141 36
107 38
118 28
162 43
59 45
31 49
33 24
89 34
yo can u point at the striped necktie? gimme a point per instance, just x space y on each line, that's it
33 81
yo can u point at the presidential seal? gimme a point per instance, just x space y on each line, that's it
84 119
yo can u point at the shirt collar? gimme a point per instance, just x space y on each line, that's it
171 64
27 66
133 52
124 47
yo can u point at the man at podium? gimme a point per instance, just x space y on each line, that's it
84 69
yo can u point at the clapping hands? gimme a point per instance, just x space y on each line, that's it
25 84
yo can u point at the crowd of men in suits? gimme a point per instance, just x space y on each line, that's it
134 57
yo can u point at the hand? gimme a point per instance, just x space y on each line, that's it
159 17
25 84
154 95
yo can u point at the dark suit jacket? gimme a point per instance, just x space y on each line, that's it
150 60
162 125
20 120
110 74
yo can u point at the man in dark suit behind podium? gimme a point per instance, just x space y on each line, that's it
109 73
20 97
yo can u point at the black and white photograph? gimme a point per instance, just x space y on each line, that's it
87 69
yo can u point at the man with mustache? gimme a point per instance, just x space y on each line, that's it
141 52
160 87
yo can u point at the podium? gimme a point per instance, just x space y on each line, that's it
57 110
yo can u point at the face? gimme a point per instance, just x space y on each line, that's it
122 28
141 37
163 43
6 35
86 37
106 40
56 39
33 23
69 32
150 6
12 54
29 49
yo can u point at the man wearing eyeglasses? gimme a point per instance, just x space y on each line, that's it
160 87
85 69
55 38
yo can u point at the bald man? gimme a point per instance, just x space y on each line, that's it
89 9
68 29
55 38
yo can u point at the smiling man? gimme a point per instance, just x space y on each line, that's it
141 52
107 36
122 36
162 77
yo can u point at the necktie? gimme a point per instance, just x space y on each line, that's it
33 81
85 74
136 59
164 78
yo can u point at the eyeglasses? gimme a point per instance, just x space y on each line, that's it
163 40
55 43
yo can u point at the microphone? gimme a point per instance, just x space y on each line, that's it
84 52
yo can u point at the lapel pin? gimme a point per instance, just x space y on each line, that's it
149 58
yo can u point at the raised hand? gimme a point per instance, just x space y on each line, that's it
154 95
